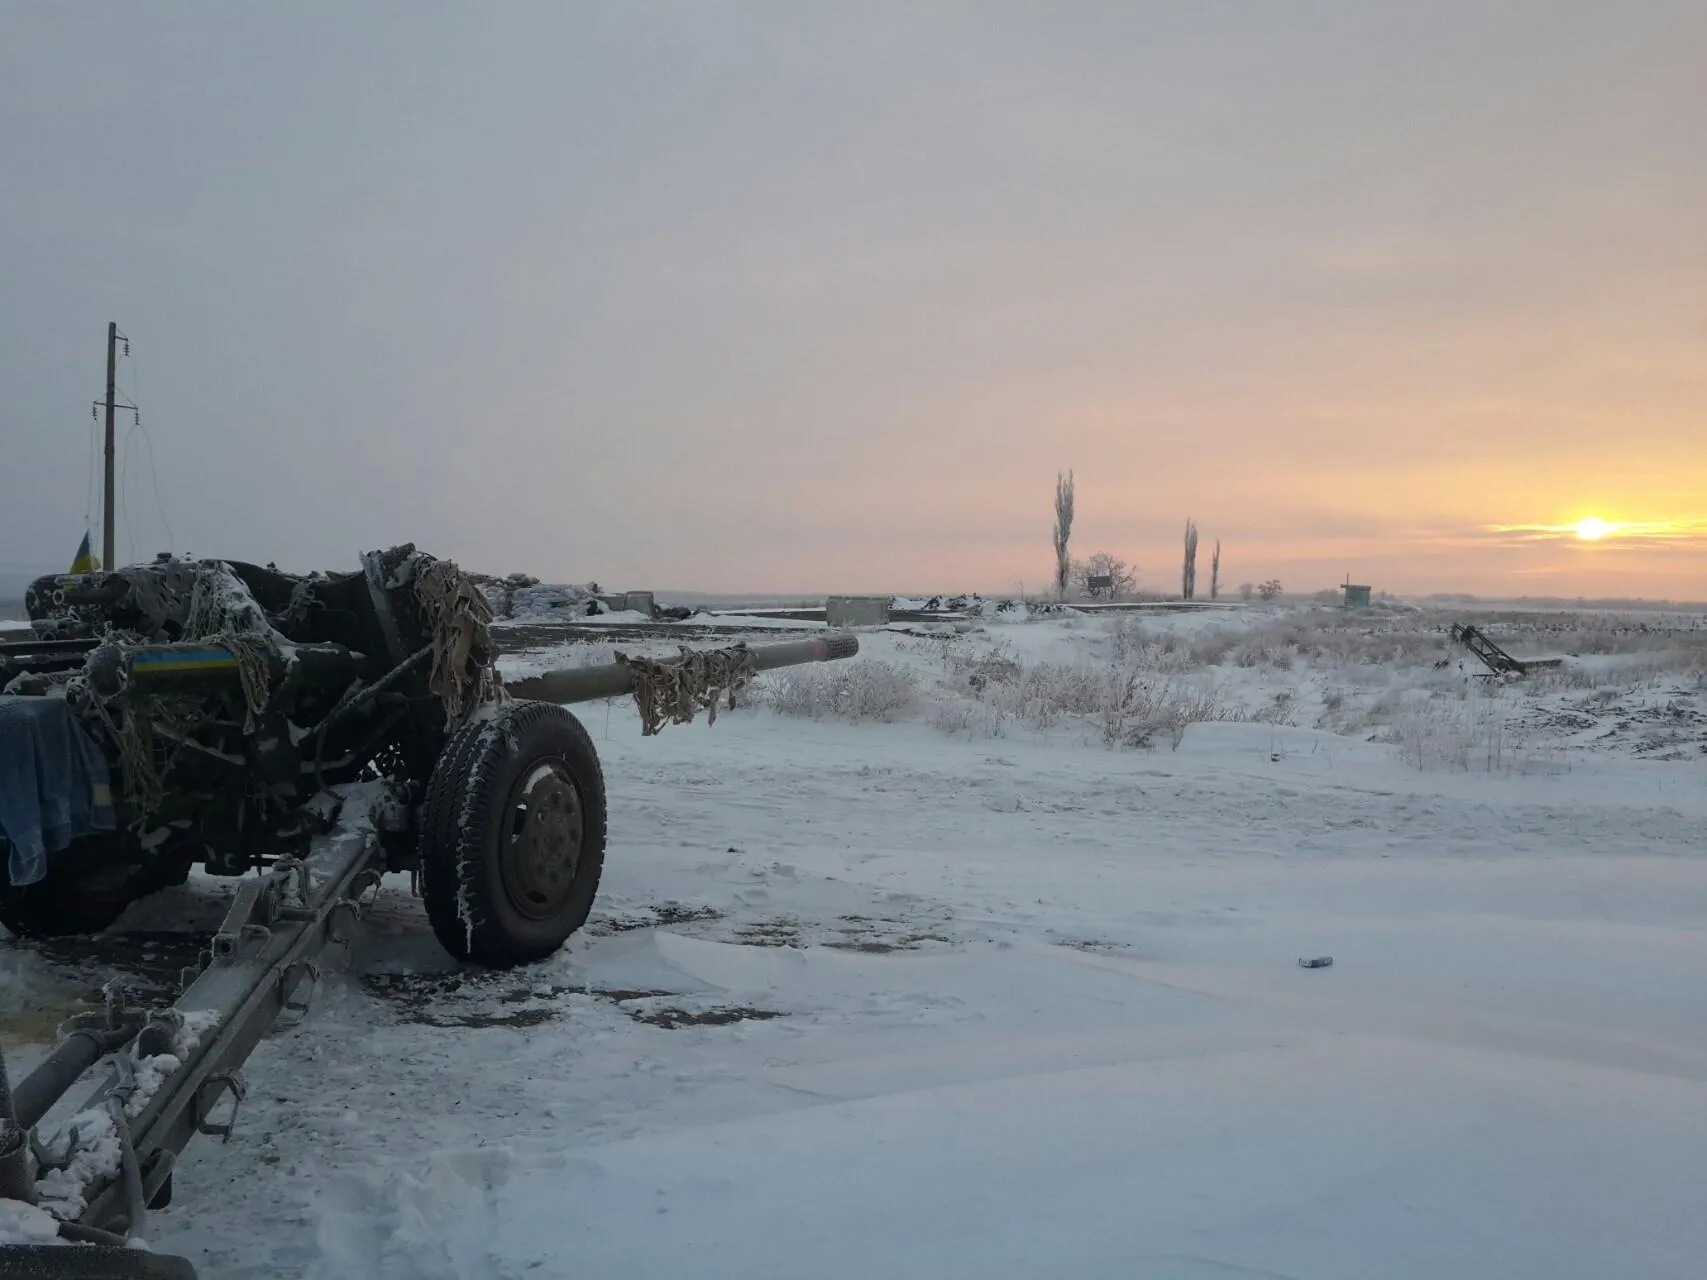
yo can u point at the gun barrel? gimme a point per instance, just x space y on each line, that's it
588 684
195 667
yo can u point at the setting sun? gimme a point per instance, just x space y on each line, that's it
1593 528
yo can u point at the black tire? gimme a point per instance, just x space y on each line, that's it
62 906
89 1262
513 837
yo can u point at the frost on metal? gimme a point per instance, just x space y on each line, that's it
493 728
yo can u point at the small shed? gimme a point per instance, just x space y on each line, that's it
1356 597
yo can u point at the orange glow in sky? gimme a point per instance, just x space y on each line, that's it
820 298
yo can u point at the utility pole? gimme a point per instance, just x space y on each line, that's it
108 555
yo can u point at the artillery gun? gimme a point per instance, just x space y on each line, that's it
308 734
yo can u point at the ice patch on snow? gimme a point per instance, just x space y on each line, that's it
34 1000
730 967
440 1223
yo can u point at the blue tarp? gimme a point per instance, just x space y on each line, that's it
54 786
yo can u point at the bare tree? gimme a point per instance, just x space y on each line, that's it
1063 531
1188 576
1247 590
1089 575
1270 590
1215 572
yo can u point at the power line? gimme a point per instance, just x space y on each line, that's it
134 405
124 492
154 476
94 467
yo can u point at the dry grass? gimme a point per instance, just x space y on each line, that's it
867 689
1387 678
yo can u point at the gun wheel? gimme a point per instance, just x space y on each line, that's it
513 840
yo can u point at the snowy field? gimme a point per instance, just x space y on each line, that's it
978 956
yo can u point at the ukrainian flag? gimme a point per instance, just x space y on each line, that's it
85 561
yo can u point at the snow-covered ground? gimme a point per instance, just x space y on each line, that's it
979 957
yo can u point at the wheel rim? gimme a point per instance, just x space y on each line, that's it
543 840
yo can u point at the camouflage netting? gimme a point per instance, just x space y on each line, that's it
459 617
200 601
674 692
222 612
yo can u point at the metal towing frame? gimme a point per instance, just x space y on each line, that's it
255 969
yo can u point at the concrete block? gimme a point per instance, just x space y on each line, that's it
632 602
857 611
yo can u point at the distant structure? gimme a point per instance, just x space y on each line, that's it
1356 597
645 602
856 611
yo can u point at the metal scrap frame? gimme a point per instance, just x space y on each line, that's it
1496 659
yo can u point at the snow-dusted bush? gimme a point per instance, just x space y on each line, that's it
1394 678
1131 644
1134 700
1043 694
1471 737
867 689
956 716
1140 709
1479 732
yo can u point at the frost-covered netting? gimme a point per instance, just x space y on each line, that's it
459 620
674 692
202 601
222 611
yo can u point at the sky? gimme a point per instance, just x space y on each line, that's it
802 296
